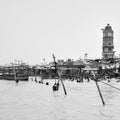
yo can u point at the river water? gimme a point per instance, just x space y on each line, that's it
34 101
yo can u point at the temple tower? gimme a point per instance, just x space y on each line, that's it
108 46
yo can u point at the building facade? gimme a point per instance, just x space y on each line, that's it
108 45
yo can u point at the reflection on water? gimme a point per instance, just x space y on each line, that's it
34 101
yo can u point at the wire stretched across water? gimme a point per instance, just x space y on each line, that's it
110 85
93 78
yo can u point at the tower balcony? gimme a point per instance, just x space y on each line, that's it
108 52
108 46
107 55
108 37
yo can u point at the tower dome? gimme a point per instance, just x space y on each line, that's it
108 27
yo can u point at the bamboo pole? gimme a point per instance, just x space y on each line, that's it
100 92
35 76
59 74
98 88
63 87
14 72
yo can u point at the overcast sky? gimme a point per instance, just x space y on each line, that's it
31 30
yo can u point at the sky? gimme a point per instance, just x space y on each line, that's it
33 30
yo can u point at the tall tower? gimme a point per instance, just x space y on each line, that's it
108 45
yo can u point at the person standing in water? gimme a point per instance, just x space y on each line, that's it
17 81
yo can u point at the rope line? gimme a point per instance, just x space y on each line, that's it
110 85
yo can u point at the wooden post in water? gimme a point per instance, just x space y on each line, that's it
59 74
63 86
100 93
14 72
98 88
35 75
